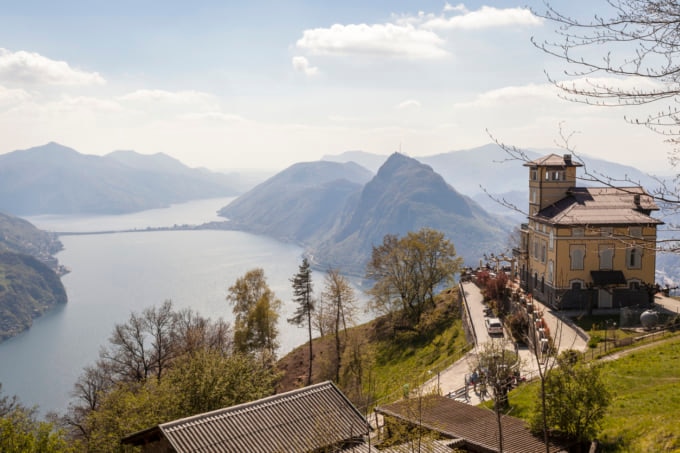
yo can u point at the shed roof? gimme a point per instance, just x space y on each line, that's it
475 426
601 206
301 420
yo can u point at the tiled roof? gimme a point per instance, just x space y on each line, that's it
474 426
298 421
601 206
553 160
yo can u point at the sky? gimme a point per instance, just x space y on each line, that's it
263 84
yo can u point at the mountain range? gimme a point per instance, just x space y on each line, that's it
339 211
54 179
489 174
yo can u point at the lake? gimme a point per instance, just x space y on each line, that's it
115 274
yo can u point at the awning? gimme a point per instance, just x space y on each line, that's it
602 278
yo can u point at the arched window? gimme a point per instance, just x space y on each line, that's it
606 257
634 257
576 254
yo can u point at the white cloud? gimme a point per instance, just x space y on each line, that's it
409 104
540 92
459 8
90 104
301 64
10 97
31 68
213 116
169 97
485 17
386 40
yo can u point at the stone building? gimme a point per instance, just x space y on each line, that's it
586 247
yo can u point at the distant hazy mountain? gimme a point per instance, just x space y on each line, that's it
54 179
488 169
298 203
339 221
406 195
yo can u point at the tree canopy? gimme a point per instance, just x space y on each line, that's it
576 398
407 272
256 310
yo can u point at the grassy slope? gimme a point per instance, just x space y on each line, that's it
643 415
404 358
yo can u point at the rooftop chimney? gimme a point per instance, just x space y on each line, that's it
636 199
567 159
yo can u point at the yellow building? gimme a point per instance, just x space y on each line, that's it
585 246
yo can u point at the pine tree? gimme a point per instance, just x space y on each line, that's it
302 296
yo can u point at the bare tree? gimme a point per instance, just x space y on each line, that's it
340 302
495 367
636 45
194 332
639 39
143 346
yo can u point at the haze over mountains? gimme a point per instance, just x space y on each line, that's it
338 214
337 207
488 169
54 179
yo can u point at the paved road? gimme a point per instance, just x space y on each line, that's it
452 379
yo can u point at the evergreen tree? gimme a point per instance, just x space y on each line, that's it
302 296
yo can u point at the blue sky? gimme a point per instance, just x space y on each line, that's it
264 84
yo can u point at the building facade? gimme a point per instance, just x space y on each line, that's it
586 247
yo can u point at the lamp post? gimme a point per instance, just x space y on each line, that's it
438 389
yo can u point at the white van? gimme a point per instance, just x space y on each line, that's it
494 326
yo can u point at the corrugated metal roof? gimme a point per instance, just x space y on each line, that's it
298 421
475 426
601 206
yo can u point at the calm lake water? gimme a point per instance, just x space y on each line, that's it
115 274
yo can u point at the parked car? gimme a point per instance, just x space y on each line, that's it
494 326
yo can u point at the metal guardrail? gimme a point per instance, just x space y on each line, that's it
467 312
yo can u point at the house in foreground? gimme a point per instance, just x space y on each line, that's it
317 418
586 247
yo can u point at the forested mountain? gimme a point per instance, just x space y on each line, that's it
20 236
28 288
339 221
29 280
298 203
54 179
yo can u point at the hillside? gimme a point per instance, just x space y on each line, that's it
404 196
54 179
29 274
20 236
339 220
298 203
28 288
489 168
